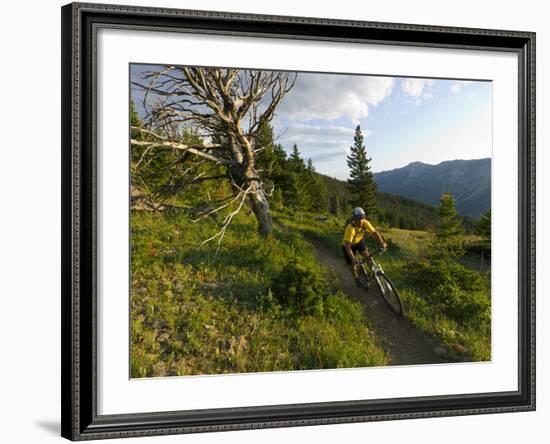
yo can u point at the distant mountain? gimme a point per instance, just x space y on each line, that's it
397 211
468 180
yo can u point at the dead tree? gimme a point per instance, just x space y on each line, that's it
227 107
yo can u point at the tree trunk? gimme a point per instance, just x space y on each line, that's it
260 206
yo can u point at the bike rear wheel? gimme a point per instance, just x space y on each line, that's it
389 293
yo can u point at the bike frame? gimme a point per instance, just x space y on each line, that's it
376 267
377 274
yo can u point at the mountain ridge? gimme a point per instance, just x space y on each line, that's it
469 180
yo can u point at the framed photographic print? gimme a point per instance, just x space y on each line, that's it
278 221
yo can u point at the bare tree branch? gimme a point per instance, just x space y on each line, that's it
217 209
215 102
193 149
220 234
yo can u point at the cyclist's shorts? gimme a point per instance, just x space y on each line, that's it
359 246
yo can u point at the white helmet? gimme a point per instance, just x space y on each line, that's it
358 212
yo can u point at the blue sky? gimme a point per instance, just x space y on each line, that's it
402 119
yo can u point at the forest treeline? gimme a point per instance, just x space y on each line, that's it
294 184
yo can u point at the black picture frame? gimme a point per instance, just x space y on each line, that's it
80 420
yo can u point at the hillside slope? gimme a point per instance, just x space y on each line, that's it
468 180
397 211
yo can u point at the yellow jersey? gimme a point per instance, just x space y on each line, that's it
355 234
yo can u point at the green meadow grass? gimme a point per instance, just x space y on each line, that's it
195 312
465 336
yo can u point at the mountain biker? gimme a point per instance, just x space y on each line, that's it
354 239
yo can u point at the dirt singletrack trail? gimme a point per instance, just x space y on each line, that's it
404 344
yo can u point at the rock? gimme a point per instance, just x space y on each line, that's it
440 352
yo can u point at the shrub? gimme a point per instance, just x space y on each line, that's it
429 275
459 292
300 287
464 307
393 247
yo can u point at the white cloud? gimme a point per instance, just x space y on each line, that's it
415 87
457 85
327 146
301 131
330 96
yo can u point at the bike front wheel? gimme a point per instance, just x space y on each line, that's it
389 293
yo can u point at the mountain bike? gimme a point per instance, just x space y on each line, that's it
367 274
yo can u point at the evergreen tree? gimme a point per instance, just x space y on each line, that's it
334 204
297 196
134 117
361 182
272 163
483 226
271 157
483 229
295 162
317 190
402 224
277 199
263 143
449 233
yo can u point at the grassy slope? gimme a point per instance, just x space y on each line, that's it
194 313
470 339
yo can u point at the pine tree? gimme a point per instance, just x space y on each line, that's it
361 182
271 157
271 163
402 224
134 117
297 196
316 189
483 227
334 204
449 233
277 199
295 162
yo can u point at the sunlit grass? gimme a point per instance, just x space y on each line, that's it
195 312
469 340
